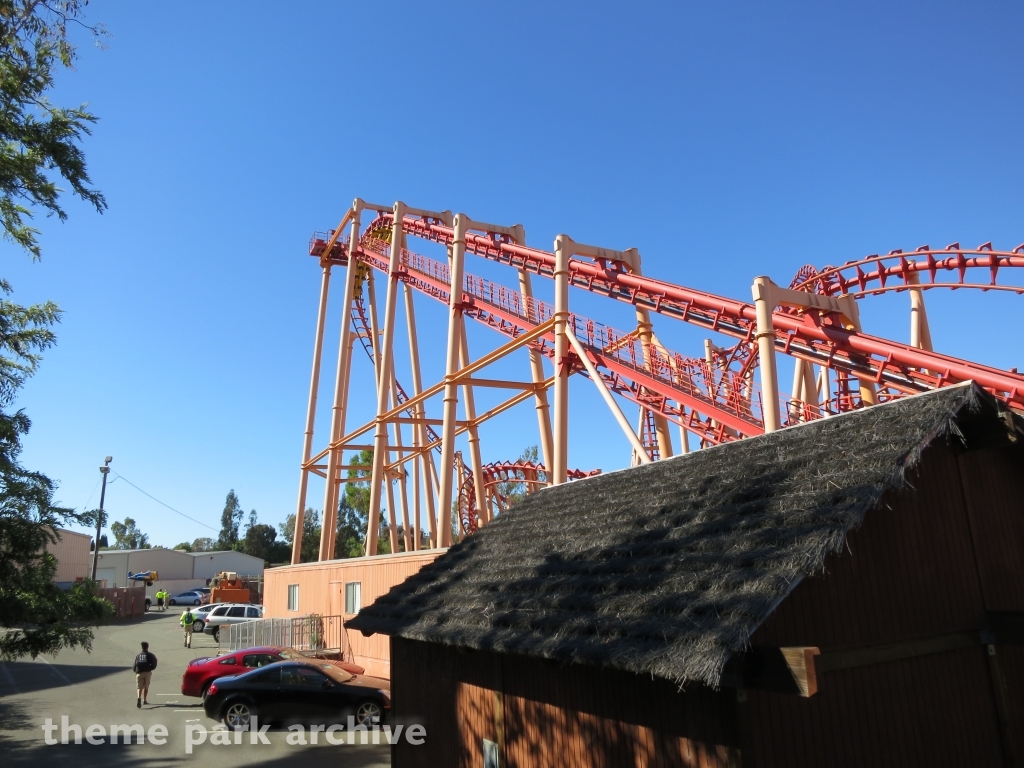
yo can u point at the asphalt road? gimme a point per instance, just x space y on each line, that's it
98 688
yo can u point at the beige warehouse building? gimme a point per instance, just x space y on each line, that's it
74 556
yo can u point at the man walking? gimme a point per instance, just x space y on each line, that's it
187 620
160 595
143 668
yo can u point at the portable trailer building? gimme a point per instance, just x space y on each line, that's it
848 592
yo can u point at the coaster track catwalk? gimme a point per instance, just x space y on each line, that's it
712 398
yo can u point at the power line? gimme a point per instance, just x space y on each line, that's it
154 498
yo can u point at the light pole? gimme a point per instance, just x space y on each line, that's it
104 470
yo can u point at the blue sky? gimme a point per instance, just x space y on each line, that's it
723 140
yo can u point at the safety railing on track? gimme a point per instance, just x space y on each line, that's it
693 377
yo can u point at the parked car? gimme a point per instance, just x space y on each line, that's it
192 597
203 671
296 690
201 614
230 613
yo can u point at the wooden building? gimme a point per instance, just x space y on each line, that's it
848 592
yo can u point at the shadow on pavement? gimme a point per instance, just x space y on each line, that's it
109 755
30 676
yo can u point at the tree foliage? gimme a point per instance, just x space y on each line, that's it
36 615
515 490
310 534
230 520
128 536
204 545
39 140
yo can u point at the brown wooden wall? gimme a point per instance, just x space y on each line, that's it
546 714
926 563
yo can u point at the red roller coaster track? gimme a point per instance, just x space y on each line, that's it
715 397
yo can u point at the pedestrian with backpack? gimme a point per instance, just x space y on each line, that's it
187 620
143 668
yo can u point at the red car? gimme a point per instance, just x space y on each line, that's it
203 671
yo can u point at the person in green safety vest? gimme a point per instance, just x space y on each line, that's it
187 620
160 599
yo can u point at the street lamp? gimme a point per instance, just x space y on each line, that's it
104 470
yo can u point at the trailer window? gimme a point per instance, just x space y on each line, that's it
353 596
293 597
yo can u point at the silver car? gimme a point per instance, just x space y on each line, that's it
230 613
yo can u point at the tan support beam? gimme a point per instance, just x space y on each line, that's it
421 472
920 334
314 386
648 345
537 374
475 461
403 489
762 291
384 381
563 253
451 396
519 341
638 446
340 393
501 408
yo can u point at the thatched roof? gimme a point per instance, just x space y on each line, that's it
667 569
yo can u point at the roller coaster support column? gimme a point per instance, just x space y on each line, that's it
920 334
648 345
422 465
537 369
314 387
766 353
338 412
451 396
476 464
386 368
380 435
564 246
403 488
767 296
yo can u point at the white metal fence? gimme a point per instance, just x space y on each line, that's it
308 633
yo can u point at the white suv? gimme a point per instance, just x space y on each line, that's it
230 613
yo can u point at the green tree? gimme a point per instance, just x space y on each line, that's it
38 139
310 534
357 497
204 545
185 546
128 536
261 541
230 519
516 490
38 142
351 537
35 615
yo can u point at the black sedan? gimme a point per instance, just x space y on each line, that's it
296 690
